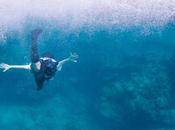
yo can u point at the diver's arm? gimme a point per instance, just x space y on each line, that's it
7 67
73 57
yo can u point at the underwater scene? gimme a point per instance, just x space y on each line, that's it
124 77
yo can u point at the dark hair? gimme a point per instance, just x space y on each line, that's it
49 68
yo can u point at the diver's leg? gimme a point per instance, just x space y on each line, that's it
34 48
35 64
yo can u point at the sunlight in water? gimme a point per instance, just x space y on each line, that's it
88 12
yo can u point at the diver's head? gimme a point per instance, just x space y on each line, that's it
50 67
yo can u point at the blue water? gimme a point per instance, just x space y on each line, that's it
123 80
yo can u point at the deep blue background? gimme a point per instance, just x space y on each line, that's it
124 80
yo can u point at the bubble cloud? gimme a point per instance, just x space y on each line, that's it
77 13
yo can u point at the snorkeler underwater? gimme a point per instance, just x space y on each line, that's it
43 68
87 65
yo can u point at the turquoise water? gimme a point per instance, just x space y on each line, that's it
123 80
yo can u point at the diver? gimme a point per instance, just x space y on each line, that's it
43 68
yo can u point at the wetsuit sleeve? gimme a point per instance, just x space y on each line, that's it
34 48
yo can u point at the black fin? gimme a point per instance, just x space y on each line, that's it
34 47
36 33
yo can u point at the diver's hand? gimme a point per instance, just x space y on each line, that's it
73 57
4 66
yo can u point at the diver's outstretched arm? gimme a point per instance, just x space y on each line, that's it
7 67
73 57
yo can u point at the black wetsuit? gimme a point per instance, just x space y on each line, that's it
48 65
